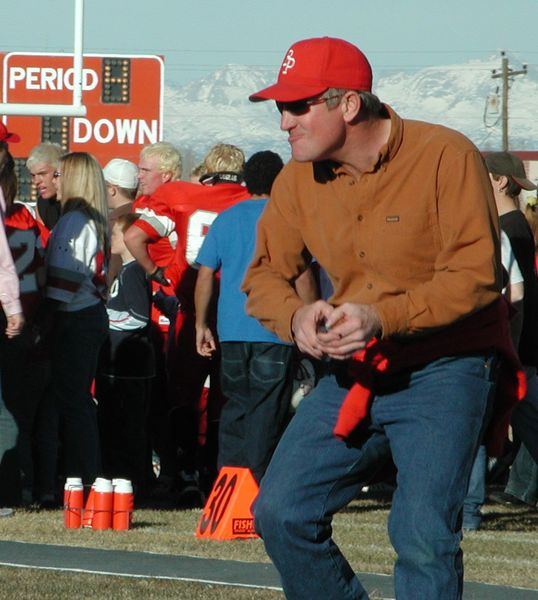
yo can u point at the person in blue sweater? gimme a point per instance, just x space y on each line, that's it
256 367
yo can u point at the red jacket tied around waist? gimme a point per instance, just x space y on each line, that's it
486 329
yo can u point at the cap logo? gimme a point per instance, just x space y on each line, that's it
289 62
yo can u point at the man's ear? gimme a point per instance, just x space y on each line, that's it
166 176
351 106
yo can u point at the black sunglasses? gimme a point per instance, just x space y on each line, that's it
299 107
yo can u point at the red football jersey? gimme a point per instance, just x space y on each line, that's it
187 209
24 238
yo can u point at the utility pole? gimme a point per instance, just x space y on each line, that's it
506 75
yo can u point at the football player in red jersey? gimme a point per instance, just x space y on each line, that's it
188 210
159 163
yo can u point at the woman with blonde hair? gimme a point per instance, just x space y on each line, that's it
76 259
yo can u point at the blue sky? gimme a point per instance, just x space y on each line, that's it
198 36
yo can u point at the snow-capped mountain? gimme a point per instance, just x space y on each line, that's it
456 96
216 108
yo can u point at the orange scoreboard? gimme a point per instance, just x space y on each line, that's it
123 96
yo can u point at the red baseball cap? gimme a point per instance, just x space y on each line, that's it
312 66
6 136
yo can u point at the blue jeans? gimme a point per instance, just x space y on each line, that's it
523 479
431 417
256 380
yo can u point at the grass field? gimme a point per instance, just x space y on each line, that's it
505 552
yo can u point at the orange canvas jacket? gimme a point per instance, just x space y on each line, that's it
416 236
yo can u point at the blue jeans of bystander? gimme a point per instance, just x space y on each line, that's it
256 380
523 479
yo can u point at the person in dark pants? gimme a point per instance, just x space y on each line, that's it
11 324
185 211
73 313
256 365
126 369
25 373
508 178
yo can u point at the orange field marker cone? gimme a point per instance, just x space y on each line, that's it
227 514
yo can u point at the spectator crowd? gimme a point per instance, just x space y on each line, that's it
101 373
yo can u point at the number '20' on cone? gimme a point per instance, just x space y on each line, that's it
227 513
